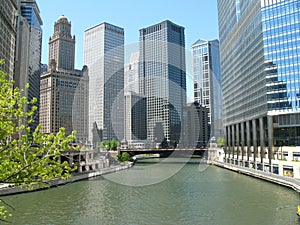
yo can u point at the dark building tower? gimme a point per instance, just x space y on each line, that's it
259 45
163 80
197 126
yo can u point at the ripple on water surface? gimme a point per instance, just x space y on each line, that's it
192 195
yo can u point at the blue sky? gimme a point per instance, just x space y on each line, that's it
199 17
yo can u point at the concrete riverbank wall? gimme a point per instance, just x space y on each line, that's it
10 190
267 176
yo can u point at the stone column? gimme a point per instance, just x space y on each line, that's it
243 139
233 141
237 127
248 140
229 141
226 143
262 139
270 139
254 142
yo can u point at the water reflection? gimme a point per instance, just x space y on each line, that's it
213 196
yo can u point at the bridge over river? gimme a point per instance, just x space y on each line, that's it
165 152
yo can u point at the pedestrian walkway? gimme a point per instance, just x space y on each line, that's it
271 177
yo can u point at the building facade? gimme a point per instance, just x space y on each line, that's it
104 55
62 45
207 82
8 35
22 52
29 52
163 80
64 92
135 117
135 123
259 45
131 74
197 126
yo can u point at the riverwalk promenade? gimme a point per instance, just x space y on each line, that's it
10 190
267 176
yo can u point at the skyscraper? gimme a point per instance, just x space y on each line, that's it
135 123
259 44
64 91
8 35
62 45
21 71
29 51
207 82
104 55
163 80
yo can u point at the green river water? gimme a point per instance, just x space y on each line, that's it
164 193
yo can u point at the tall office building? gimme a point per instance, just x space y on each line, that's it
22 50
259 44
207 82
64 91
163 80
135 124
29 51
8 35
104 55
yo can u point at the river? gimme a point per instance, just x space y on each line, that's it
194 194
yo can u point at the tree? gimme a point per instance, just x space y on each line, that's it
114 144
125 156
221 141
110 145
28 159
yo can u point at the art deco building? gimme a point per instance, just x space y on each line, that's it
62 45
260 45
207 82
104 55
29 51
64 91
8 35
163 80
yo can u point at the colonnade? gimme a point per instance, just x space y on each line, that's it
250 140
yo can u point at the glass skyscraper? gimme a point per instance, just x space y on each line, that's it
207 82
163 80
260 67
104 56
30 11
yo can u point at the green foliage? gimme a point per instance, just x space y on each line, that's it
27 159
221 141
125 156
114 144
110 145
